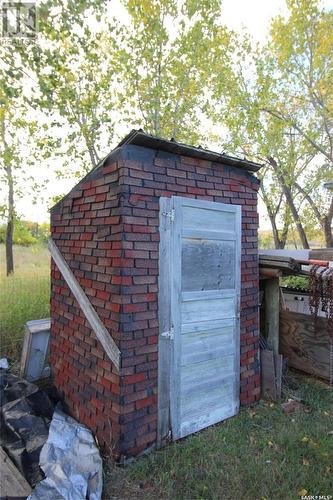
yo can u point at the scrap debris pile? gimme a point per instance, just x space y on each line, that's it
25 413
54 453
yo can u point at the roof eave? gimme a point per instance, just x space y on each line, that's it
140 138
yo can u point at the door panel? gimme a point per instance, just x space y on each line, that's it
203 260
206 344
207 264
207 218
194 311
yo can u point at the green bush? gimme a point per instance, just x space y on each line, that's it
43 232
27 233
298 282
21 236
266 240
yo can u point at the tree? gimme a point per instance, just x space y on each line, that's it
166 53
300 94
273 199
74 68
69 96
7 160
271 107
18 131
262 138
11 128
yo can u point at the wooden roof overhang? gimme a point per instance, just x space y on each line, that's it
276 266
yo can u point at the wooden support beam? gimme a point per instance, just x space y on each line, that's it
272 312
271 374
269 273
109 345
268 383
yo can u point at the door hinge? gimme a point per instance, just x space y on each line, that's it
169 334
170 214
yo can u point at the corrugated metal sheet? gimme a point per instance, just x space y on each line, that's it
140 138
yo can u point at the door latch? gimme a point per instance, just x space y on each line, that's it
169 334
170 214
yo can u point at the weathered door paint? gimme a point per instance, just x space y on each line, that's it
199 308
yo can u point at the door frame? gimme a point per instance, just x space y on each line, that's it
170 220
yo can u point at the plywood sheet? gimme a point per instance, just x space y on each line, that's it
13 484
207 264
305 342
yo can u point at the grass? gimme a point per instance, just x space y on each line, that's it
260 454
24 296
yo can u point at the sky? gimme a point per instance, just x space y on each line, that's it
254 16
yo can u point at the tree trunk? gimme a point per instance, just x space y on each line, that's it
10 224
327 226
11 206
275 230
325 221
290 201
294 212
279 243
284 235
92 157
328 233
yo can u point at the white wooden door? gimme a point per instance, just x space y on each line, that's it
199 306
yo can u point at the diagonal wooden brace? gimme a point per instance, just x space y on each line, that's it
104 337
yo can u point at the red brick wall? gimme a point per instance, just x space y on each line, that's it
107 230
87 229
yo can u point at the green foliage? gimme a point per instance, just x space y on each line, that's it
300 96
19 130
42 232
278 107
27 233
74 65
55 199
166 53
24 296
302 55
266 239
173 68
150 71
298 282
21 236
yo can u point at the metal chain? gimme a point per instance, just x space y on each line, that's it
331 361
321 291
330 319
314 298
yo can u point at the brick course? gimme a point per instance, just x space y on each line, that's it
107 229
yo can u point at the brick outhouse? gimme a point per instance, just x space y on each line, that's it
160 239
